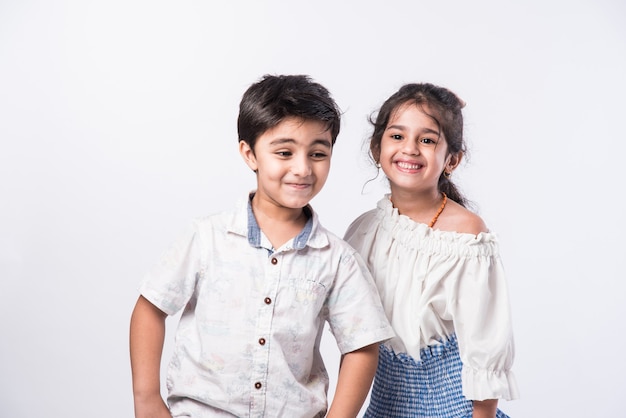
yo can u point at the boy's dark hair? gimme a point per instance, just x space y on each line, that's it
273 98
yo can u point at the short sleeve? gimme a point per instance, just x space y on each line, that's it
171 282
355 313
479 304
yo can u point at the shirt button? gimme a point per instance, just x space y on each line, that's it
268 301
258 385
262 341
274 260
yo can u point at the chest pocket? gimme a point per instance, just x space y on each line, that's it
305 285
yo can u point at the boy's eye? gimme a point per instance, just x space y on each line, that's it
319 155
283 153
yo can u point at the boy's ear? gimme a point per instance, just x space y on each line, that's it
248 155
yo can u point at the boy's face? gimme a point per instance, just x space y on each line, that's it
292 161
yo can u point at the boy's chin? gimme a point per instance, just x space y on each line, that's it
296 203
299 204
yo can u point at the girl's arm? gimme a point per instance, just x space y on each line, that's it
356 373
485 409
147 333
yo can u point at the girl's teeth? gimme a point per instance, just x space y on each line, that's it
408 166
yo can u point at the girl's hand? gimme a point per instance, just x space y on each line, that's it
485 409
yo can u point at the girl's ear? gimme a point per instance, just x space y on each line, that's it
248 155
453 161
375 153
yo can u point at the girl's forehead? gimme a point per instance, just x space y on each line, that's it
421 111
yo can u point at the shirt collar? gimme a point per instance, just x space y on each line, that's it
244 223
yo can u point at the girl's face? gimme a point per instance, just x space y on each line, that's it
413 151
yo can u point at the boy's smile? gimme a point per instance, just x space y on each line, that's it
292 162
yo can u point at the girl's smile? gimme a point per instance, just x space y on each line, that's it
413 151
408 166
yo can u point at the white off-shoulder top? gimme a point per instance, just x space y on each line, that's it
434 284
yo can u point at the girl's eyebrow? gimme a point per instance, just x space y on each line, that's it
425 130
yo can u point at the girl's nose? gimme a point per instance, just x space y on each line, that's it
411 148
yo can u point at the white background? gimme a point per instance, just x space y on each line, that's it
118 126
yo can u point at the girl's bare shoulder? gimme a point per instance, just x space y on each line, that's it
462 220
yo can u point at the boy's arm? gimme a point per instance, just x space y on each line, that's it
355 378
147 333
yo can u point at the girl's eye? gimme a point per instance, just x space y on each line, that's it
428 141
396 136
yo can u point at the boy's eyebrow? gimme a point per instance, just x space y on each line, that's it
281 141
324 142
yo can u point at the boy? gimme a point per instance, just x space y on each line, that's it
258 282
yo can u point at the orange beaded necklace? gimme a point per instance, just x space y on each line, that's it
443 205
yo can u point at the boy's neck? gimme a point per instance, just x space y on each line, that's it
279 224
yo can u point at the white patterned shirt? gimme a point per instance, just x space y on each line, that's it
247 344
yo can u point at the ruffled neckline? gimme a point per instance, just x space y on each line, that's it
417 235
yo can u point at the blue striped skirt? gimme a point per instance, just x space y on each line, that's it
430 388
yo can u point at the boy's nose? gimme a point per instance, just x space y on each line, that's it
301 167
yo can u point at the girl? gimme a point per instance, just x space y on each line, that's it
437 268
